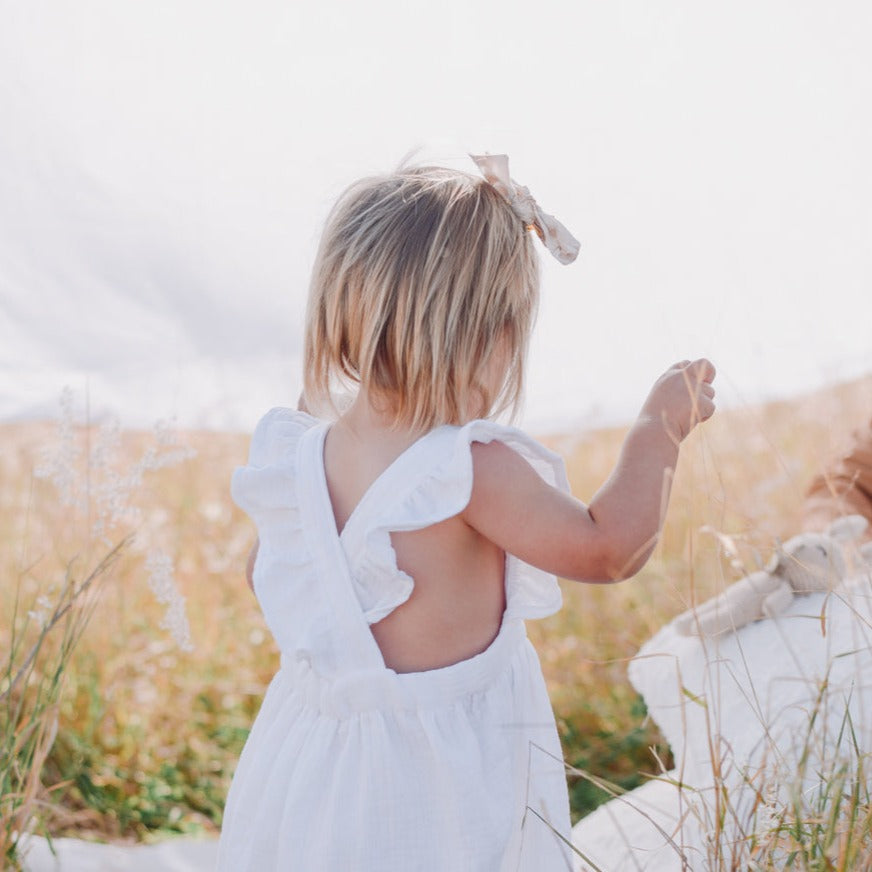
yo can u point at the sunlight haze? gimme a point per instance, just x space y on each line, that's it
165 170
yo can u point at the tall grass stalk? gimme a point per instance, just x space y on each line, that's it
30 692
746 473
808 808
87 503
149 733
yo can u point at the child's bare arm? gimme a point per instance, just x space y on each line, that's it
249 565
613 537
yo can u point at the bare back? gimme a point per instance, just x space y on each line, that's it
456 607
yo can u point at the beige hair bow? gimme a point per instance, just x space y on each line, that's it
558 240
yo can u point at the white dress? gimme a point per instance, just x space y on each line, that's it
350 765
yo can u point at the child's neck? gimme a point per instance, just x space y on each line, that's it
367 422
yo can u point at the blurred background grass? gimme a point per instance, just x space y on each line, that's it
149 734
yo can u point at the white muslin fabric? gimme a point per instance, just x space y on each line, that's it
350 765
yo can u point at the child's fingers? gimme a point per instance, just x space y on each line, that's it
699 376
706 401
703 409
706 408
703 370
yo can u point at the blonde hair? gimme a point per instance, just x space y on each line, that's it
422 278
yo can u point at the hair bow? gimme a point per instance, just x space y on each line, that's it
557 239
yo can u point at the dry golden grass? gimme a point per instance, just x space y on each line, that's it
149 733
744 474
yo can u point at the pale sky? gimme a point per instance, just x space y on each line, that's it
165 168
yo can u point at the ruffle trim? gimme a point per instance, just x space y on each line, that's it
431 483
267 482
441 490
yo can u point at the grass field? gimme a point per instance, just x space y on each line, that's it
149 728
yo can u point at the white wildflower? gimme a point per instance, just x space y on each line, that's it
104 489
43 606
163 585
97 479
61 466
110 491
769 813
214 511
166 452
107 444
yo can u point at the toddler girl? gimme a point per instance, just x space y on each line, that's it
402 546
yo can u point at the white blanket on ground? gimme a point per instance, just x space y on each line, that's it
74 855
768 707
764 680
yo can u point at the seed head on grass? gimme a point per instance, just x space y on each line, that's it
163 585
91 514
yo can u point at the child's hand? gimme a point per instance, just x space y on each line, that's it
682 397
613 537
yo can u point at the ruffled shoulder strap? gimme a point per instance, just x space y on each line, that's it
264 483
530 592
295 604
436 484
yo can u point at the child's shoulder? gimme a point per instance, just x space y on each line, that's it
497 449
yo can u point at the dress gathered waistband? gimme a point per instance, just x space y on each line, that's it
383 689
